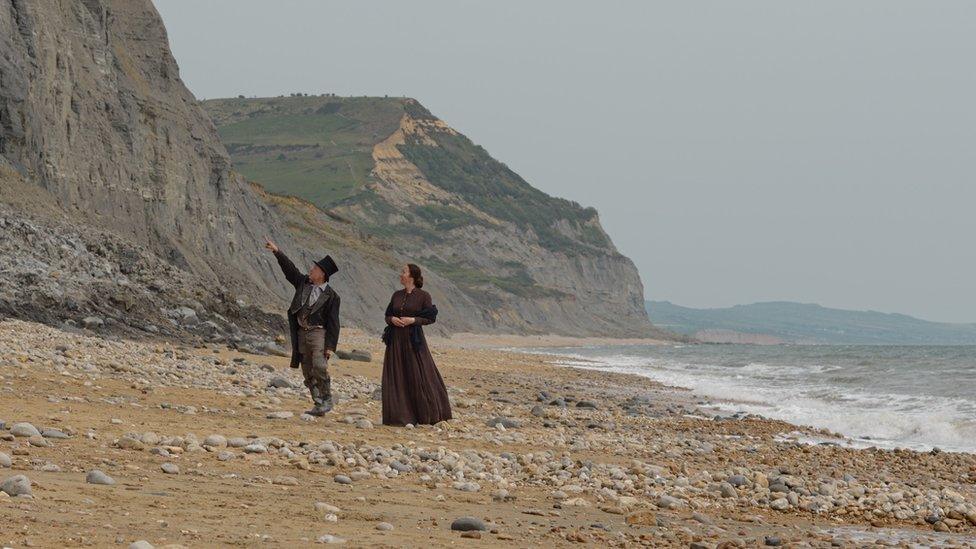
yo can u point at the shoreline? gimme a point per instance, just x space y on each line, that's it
465 340
543 454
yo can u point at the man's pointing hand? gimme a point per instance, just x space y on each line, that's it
270 245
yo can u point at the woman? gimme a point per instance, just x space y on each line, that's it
413 391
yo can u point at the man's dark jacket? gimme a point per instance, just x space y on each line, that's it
325 311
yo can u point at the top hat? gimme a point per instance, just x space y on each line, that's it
328 266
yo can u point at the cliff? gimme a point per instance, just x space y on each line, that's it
506 256
95 118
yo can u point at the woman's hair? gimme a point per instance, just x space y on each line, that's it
416 275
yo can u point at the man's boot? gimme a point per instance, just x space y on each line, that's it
317 400
324 404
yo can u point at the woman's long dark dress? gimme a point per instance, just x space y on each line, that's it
413 391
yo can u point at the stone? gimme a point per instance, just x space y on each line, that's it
225 456
471 535
641 518
141 544
772 541
364 423
97 477
325 508
92 322
280 415
588 404
170 468
255 448
355 354
284 480
215 441
727 490
737 480
281 383
466 524
384 526
128 443
55 434
538 411
669 502
780 504
24 430
5 461
342 479
400 467
17 485
329 538
760 480
39 442
505 422
467 486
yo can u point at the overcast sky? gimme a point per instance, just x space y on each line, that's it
736 151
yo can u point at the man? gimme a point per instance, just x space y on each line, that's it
313 320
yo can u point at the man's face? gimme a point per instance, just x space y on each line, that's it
316 275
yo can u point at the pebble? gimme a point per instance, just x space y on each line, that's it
54 433
284 480
24 430
737 480
281 383
128 443
38 442
170 468
364 424
669 502
141 544
467 486
329 538
465 524
323 507
97 477
17 485
342 479
728 491
225 456
505 422
384 526
255 449
215 441
280 415
5 460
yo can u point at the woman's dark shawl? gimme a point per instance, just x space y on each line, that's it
429 313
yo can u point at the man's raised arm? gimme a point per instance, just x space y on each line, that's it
292 274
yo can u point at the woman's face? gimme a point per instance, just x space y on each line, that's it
405 279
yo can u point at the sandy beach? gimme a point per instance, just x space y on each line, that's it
208 447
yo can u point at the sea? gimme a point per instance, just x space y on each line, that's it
918 397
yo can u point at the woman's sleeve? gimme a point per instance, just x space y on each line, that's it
389 311
428 303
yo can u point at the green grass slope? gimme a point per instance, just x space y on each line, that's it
316 148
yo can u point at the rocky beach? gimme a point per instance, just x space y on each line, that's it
113 442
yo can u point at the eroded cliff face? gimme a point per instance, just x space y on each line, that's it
501 256
92 108
572 280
